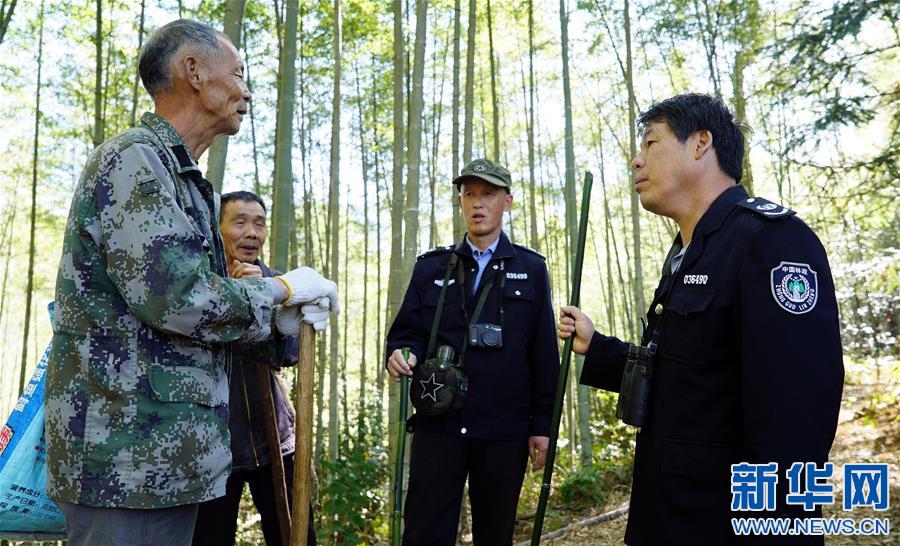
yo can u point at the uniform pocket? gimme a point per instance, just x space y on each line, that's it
684 333
518 302
188 384
690 302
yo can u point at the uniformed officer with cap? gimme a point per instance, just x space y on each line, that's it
743 337
499 293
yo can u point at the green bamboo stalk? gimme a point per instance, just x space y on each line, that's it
564 366
396 533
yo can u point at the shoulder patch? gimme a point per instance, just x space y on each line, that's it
766 208
436 252
530 251
795 287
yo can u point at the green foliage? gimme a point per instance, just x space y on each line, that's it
827 55
868 291
584 487
353 486
589 487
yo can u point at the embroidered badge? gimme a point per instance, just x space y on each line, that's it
795 287
517 276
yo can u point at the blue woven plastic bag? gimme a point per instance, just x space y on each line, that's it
24 505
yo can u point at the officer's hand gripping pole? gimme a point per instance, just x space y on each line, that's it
396 535
303 433
564 366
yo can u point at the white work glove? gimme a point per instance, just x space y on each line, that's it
304 285
316 313
287 319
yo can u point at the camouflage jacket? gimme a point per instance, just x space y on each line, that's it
137 385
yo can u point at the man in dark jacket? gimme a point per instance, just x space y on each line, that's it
243 227
746 364
511 376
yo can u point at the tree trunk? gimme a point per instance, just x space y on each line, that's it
6 13
457 219
378 317
29 290
395 276
283 183
256 186
215 159
137 77
363 361
98 77
334 228
632 148
437 117
468 127
708 27
583 417
395 285
417 105
740 111
7 237
495 106
535 242
345 400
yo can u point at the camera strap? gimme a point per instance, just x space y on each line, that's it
479 306
432 340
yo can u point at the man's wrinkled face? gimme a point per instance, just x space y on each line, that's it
483 206
243 227
224 93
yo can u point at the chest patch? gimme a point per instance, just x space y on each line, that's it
516 276
794 287
696 279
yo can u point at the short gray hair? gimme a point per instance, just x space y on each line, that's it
157 55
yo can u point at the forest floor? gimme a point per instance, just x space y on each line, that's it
868 431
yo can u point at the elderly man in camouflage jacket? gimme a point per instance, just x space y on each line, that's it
137 388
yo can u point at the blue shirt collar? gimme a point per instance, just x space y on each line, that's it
488 251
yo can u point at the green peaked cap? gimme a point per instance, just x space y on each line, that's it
486 170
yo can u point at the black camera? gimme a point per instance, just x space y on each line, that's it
485 335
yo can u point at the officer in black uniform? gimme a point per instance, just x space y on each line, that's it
743 329
511 387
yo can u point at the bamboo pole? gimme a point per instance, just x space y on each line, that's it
303 451
282 508
397 521
564 367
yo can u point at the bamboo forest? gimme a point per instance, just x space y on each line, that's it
364 111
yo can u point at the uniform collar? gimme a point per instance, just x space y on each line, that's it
719 209
172 141
489 250
710 222
503 248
